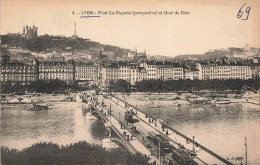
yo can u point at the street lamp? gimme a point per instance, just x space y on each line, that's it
193 143
245 152
110 113
167 126
119 118
159 111
159 152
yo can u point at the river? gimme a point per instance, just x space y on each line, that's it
221 128
64 123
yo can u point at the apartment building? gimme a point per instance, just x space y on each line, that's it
124 71
225 71
133 70
18 72
169 71
62 70
141 74
86 72
109 73
151 70
191 73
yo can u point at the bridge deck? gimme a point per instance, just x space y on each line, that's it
133 145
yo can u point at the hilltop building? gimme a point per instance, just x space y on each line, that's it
30 32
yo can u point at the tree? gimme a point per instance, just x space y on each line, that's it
77 153
119 86
195 85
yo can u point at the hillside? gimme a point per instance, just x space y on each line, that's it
49 43
46 42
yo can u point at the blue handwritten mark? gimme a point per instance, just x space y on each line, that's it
89 16
240 12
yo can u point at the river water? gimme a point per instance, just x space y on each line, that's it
220 128
65 123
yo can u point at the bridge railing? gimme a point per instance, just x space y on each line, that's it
126 143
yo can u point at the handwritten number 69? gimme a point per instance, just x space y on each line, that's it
240 12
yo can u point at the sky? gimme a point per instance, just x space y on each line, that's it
210 24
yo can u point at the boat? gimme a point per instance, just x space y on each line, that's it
238 100
36 107
69 99
194 99
40 107
223 101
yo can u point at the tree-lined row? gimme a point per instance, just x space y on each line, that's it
58 86
42 86
185 85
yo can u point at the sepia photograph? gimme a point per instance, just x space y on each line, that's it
123 82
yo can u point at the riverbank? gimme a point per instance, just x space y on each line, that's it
32 98
178 99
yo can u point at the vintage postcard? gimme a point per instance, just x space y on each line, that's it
172 82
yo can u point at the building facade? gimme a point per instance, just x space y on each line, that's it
231 71
108 74
18 72
124 71
133 69
169 71
142 74
103 73
86 72
50 70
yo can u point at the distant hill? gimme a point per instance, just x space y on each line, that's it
188 56
159 57
219 53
